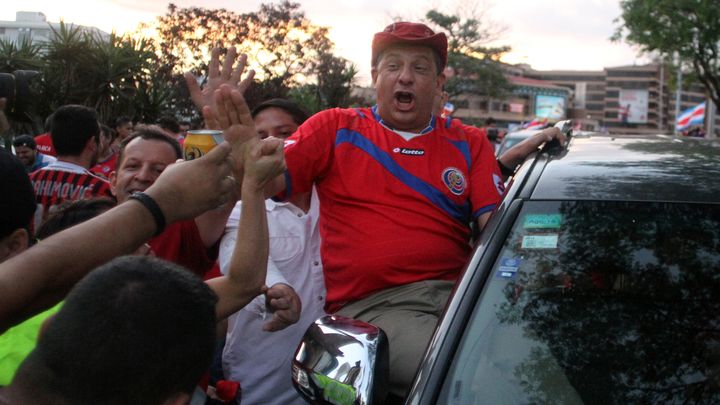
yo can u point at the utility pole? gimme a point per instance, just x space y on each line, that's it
661 125
710 119
679 90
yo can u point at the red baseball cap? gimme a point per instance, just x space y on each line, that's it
410 34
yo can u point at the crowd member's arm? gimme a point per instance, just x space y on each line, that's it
284 304
280 300
212 224
218 75
514 156
246 276
42 275
230 112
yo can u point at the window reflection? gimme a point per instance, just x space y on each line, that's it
602 303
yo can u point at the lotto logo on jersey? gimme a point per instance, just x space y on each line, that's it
454 180
411 152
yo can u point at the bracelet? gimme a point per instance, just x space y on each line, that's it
506 171
154 209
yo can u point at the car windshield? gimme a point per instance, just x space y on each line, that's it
597 302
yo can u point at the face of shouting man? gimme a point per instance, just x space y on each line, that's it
406 84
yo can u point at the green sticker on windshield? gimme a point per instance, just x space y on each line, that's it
546 221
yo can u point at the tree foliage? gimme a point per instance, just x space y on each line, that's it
476 66
690 28
284 47
114 74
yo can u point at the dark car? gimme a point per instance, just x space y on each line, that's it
597 280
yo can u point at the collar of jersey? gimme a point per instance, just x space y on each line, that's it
66 166
427 129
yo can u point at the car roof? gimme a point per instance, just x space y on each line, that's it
632 168
522 134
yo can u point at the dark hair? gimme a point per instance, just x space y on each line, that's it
137 330
169 123
24 140
490 121
148 132
297 113
48 123
17 204
72 126
120 121
109 132
71 213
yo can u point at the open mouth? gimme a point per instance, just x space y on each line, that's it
404 100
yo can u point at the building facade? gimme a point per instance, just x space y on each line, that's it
33 26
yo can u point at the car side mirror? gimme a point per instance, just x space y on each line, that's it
342 361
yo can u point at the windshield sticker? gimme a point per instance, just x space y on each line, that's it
540 241
508 267
546 221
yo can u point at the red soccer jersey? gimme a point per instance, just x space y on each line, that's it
181 244
45 145
392 211
62 181
105 167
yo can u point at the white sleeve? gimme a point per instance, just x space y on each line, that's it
227 246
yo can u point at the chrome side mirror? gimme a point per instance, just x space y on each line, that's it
342 361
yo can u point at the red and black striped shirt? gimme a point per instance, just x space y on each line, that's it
63 181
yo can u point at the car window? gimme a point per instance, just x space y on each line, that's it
597 302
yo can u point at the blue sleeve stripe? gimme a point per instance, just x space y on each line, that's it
458 212
288 185
448 122
464 148
483 210
360 113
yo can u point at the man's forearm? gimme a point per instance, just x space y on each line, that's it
40 277
248 265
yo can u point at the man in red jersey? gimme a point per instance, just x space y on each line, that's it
398 187
142 158
107 156
75 134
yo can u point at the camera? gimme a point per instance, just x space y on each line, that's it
15 87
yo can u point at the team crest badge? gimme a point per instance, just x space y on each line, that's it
454 180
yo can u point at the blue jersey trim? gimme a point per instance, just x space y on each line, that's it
459 212
360 113
483 210
448 122
464 148
288 185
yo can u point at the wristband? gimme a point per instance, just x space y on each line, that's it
154 209
506 171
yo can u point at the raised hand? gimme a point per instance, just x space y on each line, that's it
284 305
263 160
186 189
218 76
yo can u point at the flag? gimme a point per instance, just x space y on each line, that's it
690 117
536 123
448 109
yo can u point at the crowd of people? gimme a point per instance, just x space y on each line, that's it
149 261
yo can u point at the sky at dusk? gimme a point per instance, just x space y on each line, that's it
546 34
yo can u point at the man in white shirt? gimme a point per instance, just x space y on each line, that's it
254 356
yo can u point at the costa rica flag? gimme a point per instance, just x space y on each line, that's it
690 117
